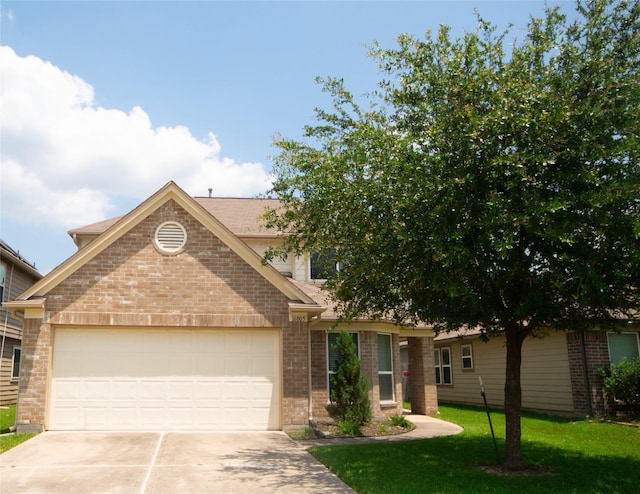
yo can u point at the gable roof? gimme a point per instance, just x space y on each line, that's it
116 227
242 216
10 254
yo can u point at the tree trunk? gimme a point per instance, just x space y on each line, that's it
513 398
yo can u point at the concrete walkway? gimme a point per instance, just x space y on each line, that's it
179 462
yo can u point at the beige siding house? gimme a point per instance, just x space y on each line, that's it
167 318
559 372
16 275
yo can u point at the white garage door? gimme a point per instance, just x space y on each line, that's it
155 379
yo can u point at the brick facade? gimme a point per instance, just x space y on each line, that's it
422 382
34 376
589 350
132 284
367 340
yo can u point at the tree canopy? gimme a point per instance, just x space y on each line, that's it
490 182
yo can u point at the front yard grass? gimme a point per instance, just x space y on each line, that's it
9 440
7 418
585 457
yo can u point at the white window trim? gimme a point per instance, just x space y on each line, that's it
387 373
329 371
468 357
441 366
13 363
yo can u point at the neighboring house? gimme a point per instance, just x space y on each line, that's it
16 275
560 372
167 318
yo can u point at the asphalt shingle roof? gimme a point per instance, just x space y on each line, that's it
243 216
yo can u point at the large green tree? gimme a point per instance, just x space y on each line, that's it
490 182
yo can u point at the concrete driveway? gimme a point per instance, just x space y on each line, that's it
164 462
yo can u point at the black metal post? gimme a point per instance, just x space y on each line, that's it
486 407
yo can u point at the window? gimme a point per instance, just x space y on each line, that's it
324 265
3 273
443 365
332 356
467 356
385 367
623 345
15 368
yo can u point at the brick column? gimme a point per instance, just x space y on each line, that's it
369 366
589 349
422 379
295 381
34 375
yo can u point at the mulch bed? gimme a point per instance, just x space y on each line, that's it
374 429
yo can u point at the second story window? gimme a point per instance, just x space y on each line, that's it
324 265
3 273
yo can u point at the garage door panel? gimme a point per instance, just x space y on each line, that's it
237 343
105 379
152 390
237 365
94 390
123 417
206 366
120 390
207 390
180 391
183 363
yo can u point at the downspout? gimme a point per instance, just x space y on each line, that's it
310 421
586 373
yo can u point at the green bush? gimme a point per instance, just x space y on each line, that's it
622 382
400 421
349 428
349 387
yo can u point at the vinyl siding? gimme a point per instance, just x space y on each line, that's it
261 246
16 282
546 383
9 387
18 278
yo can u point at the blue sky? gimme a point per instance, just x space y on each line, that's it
104 102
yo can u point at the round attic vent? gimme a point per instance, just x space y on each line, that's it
170 237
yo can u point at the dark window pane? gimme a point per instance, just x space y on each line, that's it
386 387
447 375
384 352
622 345
323 265
16 363
446 357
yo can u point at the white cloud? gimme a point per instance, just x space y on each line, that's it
9 15
65 161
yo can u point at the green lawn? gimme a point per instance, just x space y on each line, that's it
587 457
8 419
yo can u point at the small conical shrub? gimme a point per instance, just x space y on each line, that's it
349 387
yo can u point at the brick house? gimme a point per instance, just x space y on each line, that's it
560 372
16 275
167 318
